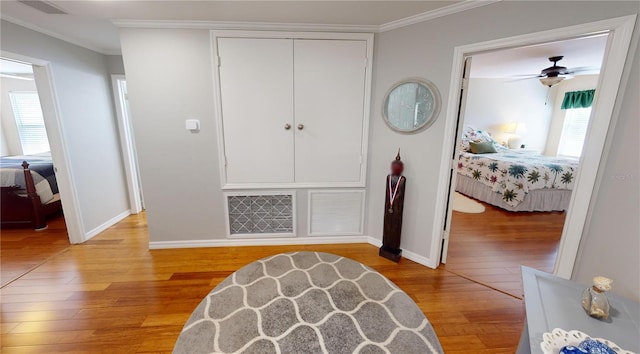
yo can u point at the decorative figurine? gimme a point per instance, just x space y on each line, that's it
393 207
594 299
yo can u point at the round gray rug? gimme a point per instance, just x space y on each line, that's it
307 302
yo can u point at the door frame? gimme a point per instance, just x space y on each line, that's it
59 150
127 145
620 31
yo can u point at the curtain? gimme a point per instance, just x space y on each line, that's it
578 99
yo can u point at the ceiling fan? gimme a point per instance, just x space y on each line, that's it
554 74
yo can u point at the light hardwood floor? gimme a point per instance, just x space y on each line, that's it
490 247
113 295
21 250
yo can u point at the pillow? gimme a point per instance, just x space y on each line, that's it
484 147
469 134
484 135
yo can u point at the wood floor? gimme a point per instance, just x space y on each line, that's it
490 247
21 249
113 295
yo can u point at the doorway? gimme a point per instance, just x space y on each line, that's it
619 34
523 185
127 143
33 231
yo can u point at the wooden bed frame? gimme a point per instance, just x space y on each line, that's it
23 208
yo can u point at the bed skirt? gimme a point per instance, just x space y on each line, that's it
536 200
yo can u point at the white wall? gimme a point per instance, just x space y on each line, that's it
426 50
9 126
494 103
4 148
578 83
82 85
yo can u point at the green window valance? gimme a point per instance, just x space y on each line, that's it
578 99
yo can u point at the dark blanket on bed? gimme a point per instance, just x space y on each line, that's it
41 165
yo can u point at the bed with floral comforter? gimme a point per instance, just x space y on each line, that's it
513 174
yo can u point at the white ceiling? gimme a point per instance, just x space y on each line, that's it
88 22
583 52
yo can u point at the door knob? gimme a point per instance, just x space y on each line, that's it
287 126
300 126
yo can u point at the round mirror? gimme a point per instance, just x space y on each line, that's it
411 105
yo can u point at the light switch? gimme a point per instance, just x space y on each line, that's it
192 125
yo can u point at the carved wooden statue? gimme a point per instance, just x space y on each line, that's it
393 208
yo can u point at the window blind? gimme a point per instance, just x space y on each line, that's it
574 131
28 114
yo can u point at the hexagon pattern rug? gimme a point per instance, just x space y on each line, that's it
307 302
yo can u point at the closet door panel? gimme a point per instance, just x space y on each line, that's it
256 86
329 102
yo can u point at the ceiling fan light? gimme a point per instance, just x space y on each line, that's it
551 81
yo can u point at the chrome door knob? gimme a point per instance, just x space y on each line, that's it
287 126
300 126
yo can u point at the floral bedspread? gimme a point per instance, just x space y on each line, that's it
513 174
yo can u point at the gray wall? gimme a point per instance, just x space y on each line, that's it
114 64
611 243
170 80
83 89
426 50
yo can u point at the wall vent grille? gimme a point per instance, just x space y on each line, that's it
260 214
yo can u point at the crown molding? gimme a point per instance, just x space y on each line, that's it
311 27
429 15
247 26
56 35
263 26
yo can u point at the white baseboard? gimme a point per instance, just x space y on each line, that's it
107 224
406 254
285 241
258 242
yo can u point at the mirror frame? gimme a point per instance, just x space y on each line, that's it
434 114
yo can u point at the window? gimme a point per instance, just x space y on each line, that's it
574 131
28 114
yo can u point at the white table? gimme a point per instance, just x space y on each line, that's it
552 302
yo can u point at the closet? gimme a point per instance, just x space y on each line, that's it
293 108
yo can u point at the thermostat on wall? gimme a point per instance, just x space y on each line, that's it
192 124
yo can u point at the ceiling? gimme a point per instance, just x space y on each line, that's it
88 23
583 52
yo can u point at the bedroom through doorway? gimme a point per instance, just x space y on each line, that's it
33 224
522 128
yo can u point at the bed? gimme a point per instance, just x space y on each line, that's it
515 180
29 191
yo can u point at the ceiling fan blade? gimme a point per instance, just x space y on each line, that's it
527 75
524 78
580 69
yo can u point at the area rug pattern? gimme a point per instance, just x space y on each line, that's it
307 302
464 204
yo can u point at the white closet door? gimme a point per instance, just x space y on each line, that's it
256 77
329 102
